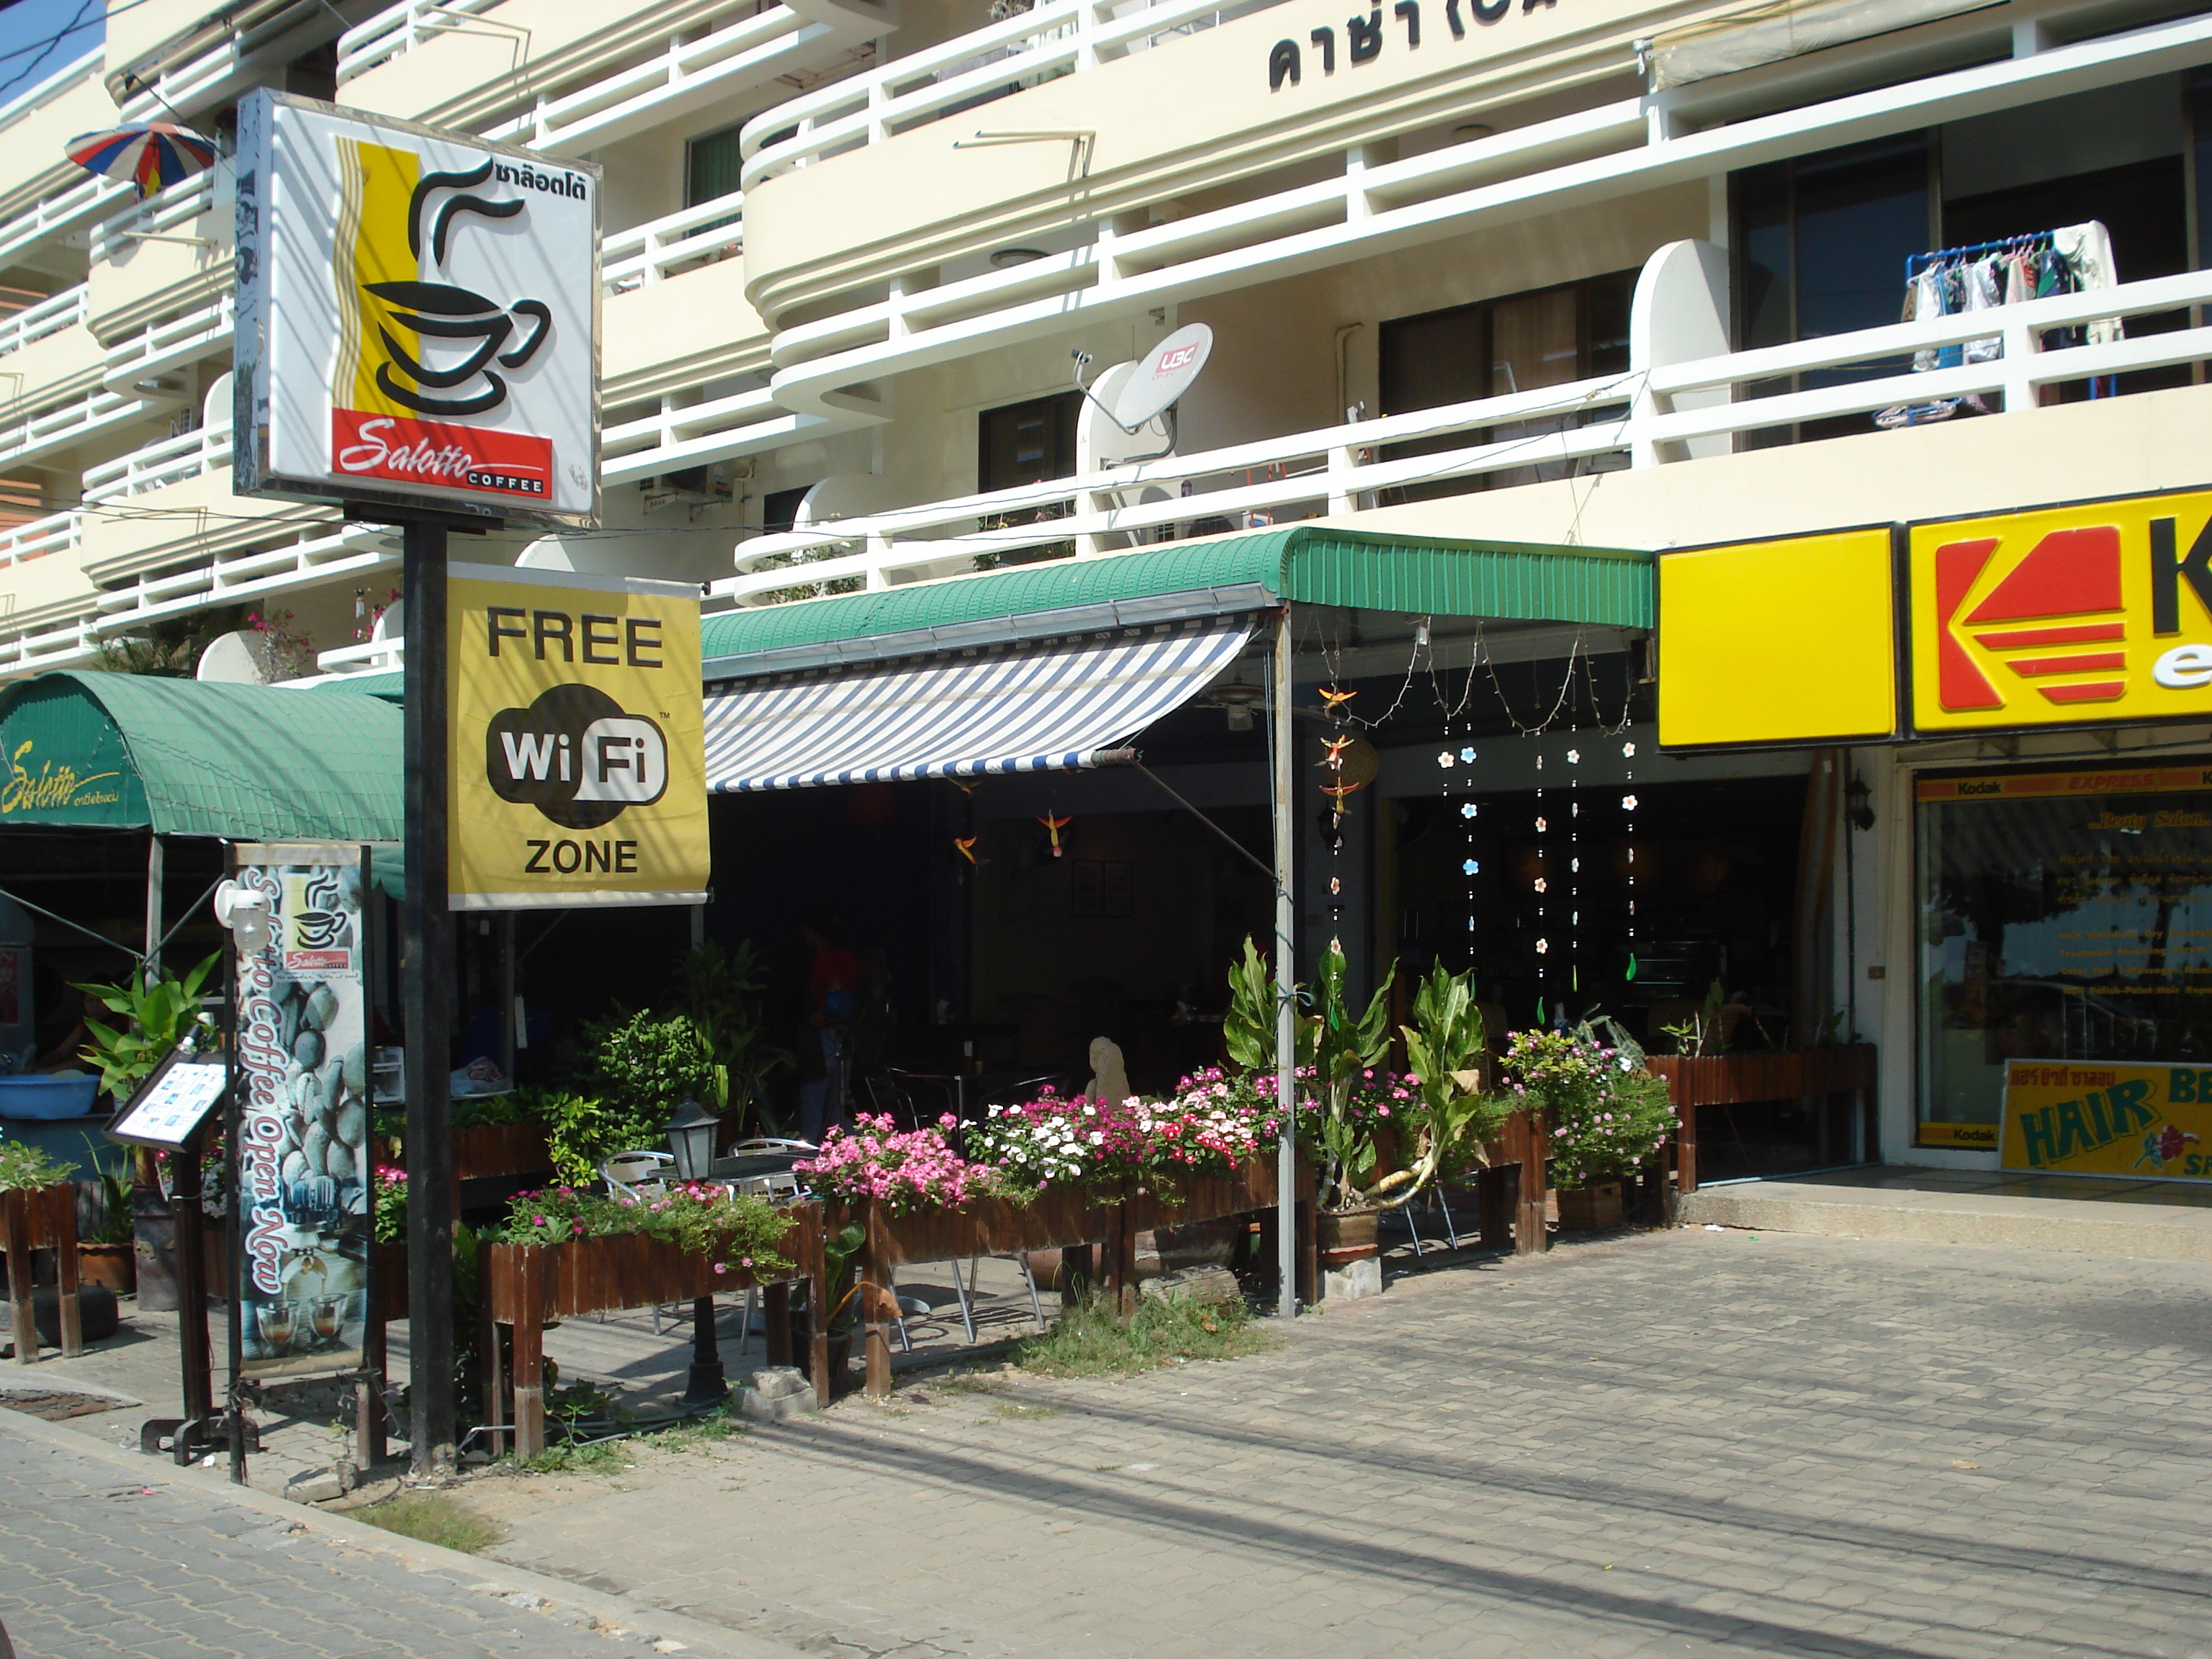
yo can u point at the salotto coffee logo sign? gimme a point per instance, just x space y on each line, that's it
2099 613
579 742
417 318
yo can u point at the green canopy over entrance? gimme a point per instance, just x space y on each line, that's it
243 762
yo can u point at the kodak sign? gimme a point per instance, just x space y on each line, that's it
2093 614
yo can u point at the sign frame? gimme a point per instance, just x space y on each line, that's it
150 1094
258 235
1908 711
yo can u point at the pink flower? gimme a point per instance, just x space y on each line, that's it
723 1267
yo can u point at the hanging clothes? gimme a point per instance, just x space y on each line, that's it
2088 251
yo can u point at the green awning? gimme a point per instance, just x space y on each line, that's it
1307 565
244 763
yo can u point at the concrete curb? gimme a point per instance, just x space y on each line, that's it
2146 1231
471 1572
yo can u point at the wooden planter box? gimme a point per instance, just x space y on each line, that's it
500 1152
1588 1209
525 1285
1696 1080
43 1219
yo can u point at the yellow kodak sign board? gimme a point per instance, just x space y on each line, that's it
577 746
2086 1117
2097 613
1780 641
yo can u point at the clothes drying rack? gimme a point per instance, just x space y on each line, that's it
2099 386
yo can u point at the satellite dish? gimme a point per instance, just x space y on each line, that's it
1155 381
242 658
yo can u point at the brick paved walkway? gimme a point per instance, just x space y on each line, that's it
94 1564
1685 1443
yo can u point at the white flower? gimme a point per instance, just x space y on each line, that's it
1628 803
1628 748
1467 810
1542 945
1466 754
1542 886
1443 758
1541 826
1098 1137
1574 757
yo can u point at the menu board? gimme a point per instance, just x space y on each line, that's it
170 1105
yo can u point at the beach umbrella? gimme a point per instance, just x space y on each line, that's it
152 155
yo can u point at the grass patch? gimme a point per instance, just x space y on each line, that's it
1026 1411
966 1384
600 1457
1089 1340
432 1518
711 1429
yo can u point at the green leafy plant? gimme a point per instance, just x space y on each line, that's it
1343 1048
434 1518
583 1131
115 1220
645 1065
1089 1337
25 1168
1450 1114
718 991
390 1218
1705 1032
1606 1115
1247 1031
160 1015
839 1254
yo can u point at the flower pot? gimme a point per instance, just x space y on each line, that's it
1346 1236
1586 1209
111 1267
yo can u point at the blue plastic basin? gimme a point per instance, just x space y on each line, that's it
65 1095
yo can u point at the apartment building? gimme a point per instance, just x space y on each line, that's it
1608 274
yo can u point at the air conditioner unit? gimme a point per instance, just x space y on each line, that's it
711 485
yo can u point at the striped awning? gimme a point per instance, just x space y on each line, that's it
1054 705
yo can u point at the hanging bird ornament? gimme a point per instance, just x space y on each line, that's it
965 846
1053 826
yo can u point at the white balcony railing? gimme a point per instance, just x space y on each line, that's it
167 217
1640 419
59 532
155 350
49 316
1066 37
54 216
27 437
400 29
698 235
172 461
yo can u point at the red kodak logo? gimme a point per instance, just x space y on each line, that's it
2070 574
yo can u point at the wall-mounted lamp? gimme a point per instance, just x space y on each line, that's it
1858 803
246 914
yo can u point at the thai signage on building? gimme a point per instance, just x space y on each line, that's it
417 318
2086 1117
578 740
2100 612
301 1187
2096 613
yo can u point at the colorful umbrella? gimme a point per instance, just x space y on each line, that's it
152 155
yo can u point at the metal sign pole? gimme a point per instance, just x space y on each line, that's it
1283 786
426 960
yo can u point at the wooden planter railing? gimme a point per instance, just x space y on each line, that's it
43 1219
1696 1080
524 1286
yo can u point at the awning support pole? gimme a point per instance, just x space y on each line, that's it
426 963
153 960
1282 788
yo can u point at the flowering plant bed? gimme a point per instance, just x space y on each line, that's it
901 1171
726 1232
1608 1116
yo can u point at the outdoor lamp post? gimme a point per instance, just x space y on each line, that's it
691 1138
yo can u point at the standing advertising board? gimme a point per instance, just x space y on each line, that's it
578 739
301 1118
417 318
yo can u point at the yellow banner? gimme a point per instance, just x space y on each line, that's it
2096 613
578 744
2082 1117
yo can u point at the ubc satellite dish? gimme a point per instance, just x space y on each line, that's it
1133 395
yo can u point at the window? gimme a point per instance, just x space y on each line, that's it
1522 343
1027 443
780 509
712 165
2057 927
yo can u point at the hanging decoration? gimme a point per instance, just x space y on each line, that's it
1053 826
1574 873
965 846
1337 786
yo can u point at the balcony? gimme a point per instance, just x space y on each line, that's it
168 255
60 532
64 426
162 348
35 128
936 207
1660 417
471 64
158 466
67 309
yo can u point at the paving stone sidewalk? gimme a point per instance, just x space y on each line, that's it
1678 1443
95 1563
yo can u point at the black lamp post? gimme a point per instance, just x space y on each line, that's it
691 1139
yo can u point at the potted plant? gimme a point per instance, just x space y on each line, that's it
840 1254
108 1258
1606 1115
1450 1116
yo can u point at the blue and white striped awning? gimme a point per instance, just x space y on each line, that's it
1057 705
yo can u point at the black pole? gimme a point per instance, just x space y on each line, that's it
426 961
707 1385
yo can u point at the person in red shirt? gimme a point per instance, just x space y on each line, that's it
835 983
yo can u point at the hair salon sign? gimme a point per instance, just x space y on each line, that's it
417 318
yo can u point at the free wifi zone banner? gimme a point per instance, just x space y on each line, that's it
578 747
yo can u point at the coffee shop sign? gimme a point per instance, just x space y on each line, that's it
1362 36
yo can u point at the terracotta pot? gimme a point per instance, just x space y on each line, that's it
112 1267
1346 1236
1586 1209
